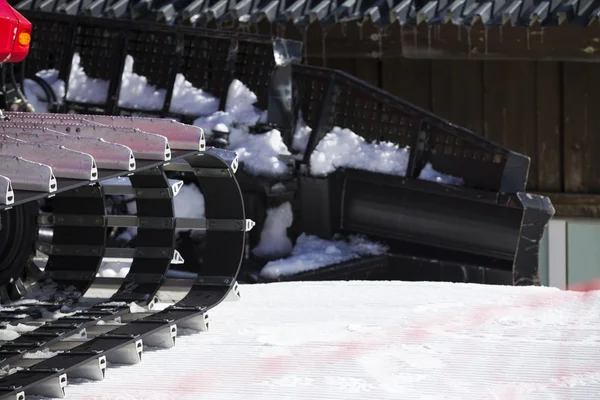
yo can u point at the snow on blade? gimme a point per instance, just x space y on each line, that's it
344 148
190 100
136 92
240 102
258 153
239 110
274 241
312 252
429 174
83 88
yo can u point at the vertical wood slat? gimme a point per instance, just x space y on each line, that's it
510 109
581 102
347 65
408 79
549 130
368 69
456 92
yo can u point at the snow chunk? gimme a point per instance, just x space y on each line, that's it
136 308
62 313
239 110
136 92
11 332
35 94
344 148
220 118
190 100
83 88
40 354
240 103
189 203
113 269
312 252
274 241
259 152
430 174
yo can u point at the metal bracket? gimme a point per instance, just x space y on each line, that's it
215 280
72 220
67 275
70 250
144 278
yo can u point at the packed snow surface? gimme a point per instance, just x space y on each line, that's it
376 340
311 252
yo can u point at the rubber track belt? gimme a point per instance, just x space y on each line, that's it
216 276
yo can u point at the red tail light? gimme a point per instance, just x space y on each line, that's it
15 34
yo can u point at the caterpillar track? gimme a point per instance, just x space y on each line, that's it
74 163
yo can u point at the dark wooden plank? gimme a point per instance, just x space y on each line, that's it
408 79
456 92
549 132
350 39
581 102
368 69
500 42
509 109
343 64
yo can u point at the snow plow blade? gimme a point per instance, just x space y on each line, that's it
457 211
